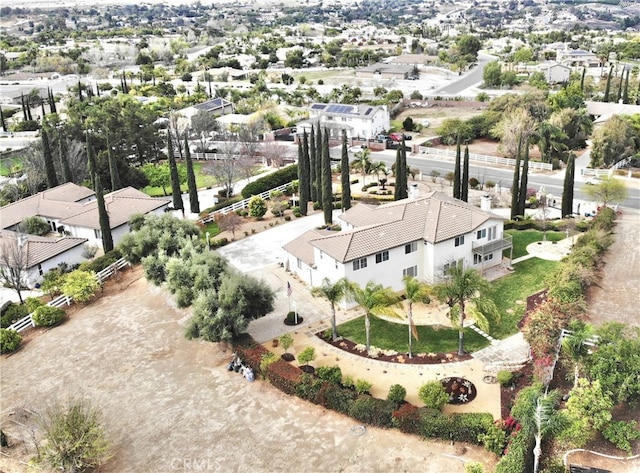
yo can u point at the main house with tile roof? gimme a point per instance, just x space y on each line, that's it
72 213
364 121
420 236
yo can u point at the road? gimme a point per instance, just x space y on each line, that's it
470 79
503 176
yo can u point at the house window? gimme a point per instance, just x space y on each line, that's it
359 264
97 233
459 241
481 233
411 247
412 272
477 258
299 263
40 272
384 256
492 233
488 257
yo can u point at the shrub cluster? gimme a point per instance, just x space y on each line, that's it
270 181
9 340
12 313
46 315
101 262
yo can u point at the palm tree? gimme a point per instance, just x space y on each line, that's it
375 299
415 292
574 346
465 290
362 163
377 169
550 140
546 421
334 293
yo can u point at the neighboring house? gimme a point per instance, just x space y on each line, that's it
555 73
577 58
38 254
386 71
217 107
72 210
420 236
364 121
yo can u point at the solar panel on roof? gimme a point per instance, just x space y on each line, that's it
368 111
318 106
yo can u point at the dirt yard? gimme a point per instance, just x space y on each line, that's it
169 404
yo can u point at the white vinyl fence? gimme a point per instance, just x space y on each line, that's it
63 300
483 158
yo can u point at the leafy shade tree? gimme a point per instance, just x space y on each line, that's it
464 185
334 293
465 290
345 178
415 292
375 300
303 173
569 182
224 314
614 141
175 178
80 285
15 263
75 438
202 124
327 191
457 179
34 226
52 179
103 216
492 74
194 202
608 190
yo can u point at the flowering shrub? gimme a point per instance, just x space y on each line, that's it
284 376
374 352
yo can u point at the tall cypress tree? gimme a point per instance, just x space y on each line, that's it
464 191
64 159
52 179
304 182
619 95
524 178
319 145
113 167
2 124
398 173
175 179
52 102
608 87
625 95
567 190
457 181
312 164
584 73
403 194
24 108
91 161
515 186
79 91
345 177
327 191
194 202
43 111
29 116
400 188
103 215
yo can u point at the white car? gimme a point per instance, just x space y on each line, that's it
593 181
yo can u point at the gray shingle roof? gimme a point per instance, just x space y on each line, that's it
432 218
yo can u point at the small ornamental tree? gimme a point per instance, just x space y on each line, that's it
34 226
433 395
229 222
306 356
80 285
257 207
286 341
397 393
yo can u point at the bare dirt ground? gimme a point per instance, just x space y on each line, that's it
169 404
615 297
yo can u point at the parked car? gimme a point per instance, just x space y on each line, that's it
593 181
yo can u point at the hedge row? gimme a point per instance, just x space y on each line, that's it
425 422
270 181
100 263
559 226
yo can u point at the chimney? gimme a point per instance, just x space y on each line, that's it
485 203
414 192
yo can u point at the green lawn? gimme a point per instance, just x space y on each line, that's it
202 180
527 279
522 238
9 165
395 336
212 228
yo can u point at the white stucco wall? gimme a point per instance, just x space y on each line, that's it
70 257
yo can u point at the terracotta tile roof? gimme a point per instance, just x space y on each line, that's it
300 247
39 249
121 205
59 202
434 217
